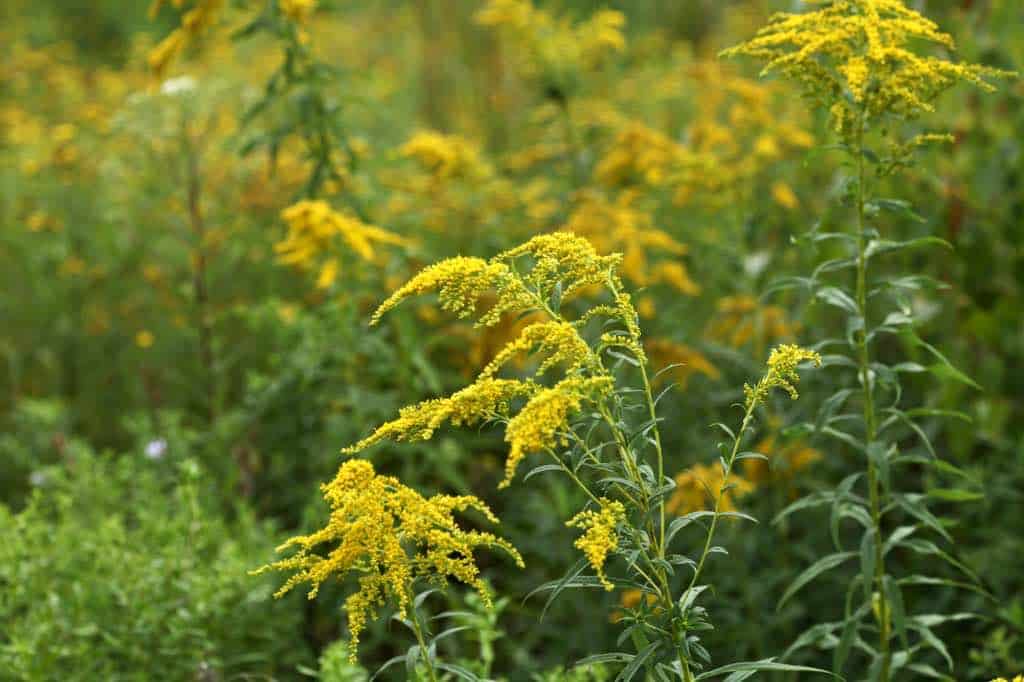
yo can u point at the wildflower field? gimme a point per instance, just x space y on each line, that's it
524 340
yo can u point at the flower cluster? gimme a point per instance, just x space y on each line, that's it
313 227
445 156
483 400
388 535
194 22
782 372
621 226
855 54
535 277
641 155
542 423
563 260
461 282
557 342
599 537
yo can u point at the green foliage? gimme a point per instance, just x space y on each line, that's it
147 311
116 571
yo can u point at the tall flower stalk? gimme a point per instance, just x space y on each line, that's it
854 58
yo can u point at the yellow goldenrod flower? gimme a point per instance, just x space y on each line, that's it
388 535
782 365
314 227
446 156
620 226
328 274
486 399
861 47
639 154
599 538
559 342
544 420
742 318
461 282
784 195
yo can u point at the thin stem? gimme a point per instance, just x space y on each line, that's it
661 458
425 653
721 493
199 274
574 477
870 424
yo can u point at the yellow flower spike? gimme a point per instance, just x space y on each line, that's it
599 538
559 342
388 535
862 47
460 282
543 421
328 274
486 399
314 227
782 372
623 226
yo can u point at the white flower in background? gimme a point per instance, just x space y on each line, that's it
755 263
155 449
38 478
181 84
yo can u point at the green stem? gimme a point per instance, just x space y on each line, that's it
661 458
870 424
424 651
721 493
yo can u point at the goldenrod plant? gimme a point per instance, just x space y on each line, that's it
862 61
576 408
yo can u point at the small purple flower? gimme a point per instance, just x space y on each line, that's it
156 449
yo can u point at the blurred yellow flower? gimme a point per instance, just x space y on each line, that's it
784 195
144 338
699 486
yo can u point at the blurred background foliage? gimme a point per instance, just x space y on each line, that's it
172 394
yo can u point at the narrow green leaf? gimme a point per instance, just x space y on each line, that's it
765 664
817 568
867 561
